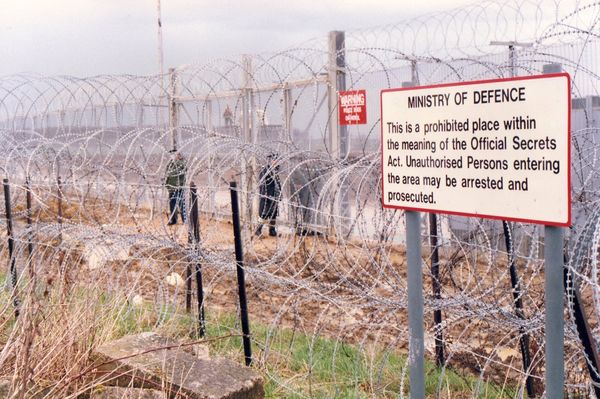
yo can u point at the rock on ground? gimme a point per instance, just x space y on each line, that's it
142 360
126 393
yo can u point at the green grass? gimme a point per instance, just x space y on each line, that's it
297 365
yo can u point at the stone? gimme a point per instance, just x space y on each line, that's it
137 361
33 391
98 253
504 353
429 344
201 351
174 279
137 300
125 393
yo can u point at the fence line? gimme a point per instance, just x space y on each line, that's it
336 272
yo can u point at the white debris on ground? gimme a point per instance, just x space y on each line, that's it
505 352
137 300
174 279
97 254
429 344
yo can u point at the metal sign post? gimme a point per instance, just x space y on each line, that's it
553 287
553 255
414 280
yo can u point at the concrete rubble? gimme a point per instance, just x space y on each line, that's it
135 360
126 393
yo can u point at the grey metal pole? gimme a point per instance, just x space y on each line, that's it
416 336
249 136
555 332
173 109
209 147
336 78
416 344
288 107
340 61
338 133
553 254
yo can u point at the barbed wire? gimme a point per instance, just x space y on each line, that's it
336 269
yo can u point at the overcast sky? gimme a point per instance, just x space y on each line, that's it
91 37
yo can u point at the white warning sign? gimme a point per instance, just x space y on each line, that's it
497 149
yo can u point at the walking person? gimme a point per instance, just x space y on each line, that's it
175 183
269 189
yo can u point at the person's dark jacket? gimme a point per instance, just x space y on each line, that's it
269 189
175 174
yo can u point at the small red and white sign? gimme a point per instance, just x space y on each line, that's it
353 107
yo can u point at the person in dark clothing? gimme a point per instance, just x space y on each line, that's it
304 195
269 189
175 182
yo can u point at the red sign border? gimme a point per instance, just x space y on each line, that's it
340 93
493 217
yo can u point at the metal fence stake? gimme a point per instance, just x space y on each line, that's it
584 331
518 302
437 288
28 217
188 288
195 221
59 208
11 246
239 259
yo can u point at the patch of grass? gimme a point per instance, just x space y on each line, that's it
297 365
